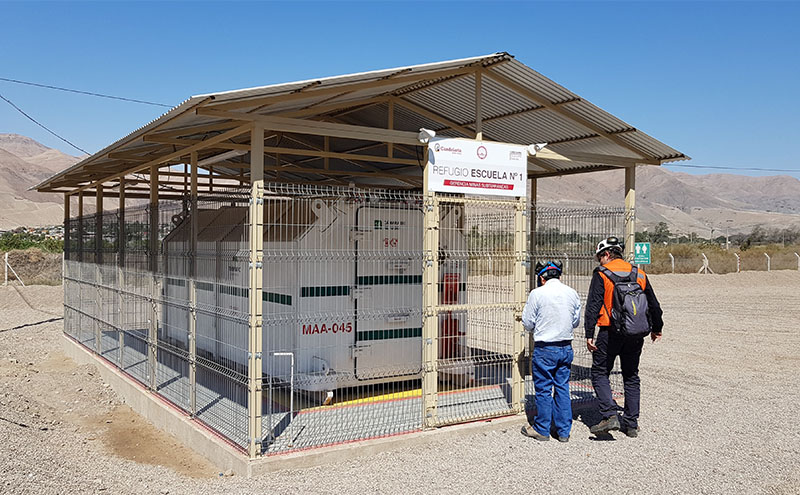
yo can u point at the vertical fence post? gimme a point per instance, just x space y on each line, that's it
531 272
255 294
80 226
193 225
630 212
672 262
738 262
152 334
98 274
67 227
520 282
430 298
768 261
121 245
798 261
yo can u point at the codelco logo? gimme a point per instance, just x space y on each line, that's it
482 153
438 147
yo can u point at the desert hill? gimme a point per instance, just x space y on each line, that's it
686 202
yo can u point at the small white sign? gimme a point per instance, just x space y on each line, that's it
477 167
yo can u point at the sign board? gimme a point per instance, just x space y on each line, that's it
477 167
641 253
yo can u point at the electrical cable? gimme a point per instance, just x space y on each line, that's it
42 125
749 169
89 93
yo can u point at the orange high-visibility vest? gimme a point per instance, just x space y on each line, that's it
622 268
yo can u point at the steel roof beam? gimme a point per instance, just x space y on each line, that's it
317 128
165 158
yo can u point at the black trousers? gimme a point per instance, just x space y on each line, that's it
629 349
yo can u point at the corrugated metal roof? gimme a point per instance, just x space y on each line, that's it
543 111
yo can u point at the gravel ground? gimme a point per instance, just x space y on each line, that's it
719 415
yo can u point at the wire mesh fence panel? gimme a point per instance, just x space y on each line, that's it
571 235
476 270
341 315
133 304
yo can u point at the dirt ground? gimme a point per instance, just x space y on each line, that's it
720 399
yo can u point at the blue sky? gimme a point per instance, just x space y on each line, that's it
716 80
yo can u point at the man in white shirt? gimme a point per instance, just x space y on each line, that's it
551 313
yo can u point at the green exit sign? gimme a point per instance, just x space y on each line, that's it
641 253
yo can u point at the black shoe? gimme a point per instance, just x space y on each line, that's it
630 432
606 425
530 431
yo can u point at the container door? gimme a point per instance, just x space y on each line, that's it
388 291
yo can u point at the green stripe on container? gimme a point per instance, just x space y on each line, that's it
273 297
395 333
205 286
389 279
176 281
332 290
233 291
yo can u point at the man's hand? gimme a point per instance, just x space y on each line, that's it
655 337
590 345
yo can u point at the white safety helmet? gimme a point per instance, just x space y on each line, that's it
609 243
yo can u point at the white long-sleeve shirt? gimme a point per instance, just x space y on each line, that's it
552 312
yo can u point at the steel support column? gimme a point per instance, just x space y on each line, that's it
98 273
193 224
121 245
152 334
520 297
256 239
80 226
630 212
430 301
67 227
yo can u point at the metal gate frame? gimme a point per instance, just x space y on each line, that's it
432 307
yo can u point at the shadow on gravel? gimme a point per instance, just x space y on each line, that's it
30 324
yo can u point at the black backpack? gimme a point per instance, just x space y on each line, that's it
629 315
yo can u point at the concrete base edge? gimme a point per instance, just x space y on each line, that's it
224 457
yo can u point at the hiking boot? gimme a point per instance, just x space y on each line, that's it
530 431
630 432
608 424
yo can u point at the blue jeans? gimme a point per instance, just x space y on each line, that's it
551 370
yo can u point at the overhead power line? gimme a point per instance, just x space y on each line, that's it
749 169
89 93
42 125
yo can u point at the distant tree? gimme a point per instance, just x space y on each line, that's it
661 234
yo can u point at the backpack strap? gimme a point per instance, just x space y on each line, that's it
613 277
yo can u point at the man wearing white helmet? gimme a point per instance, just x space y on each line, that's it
621 332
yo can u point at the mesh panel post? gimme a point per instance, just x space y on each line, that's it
98 260
121 242
152 334
256 217
80 226
67 227
630 212
193 225
430 297
520 284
